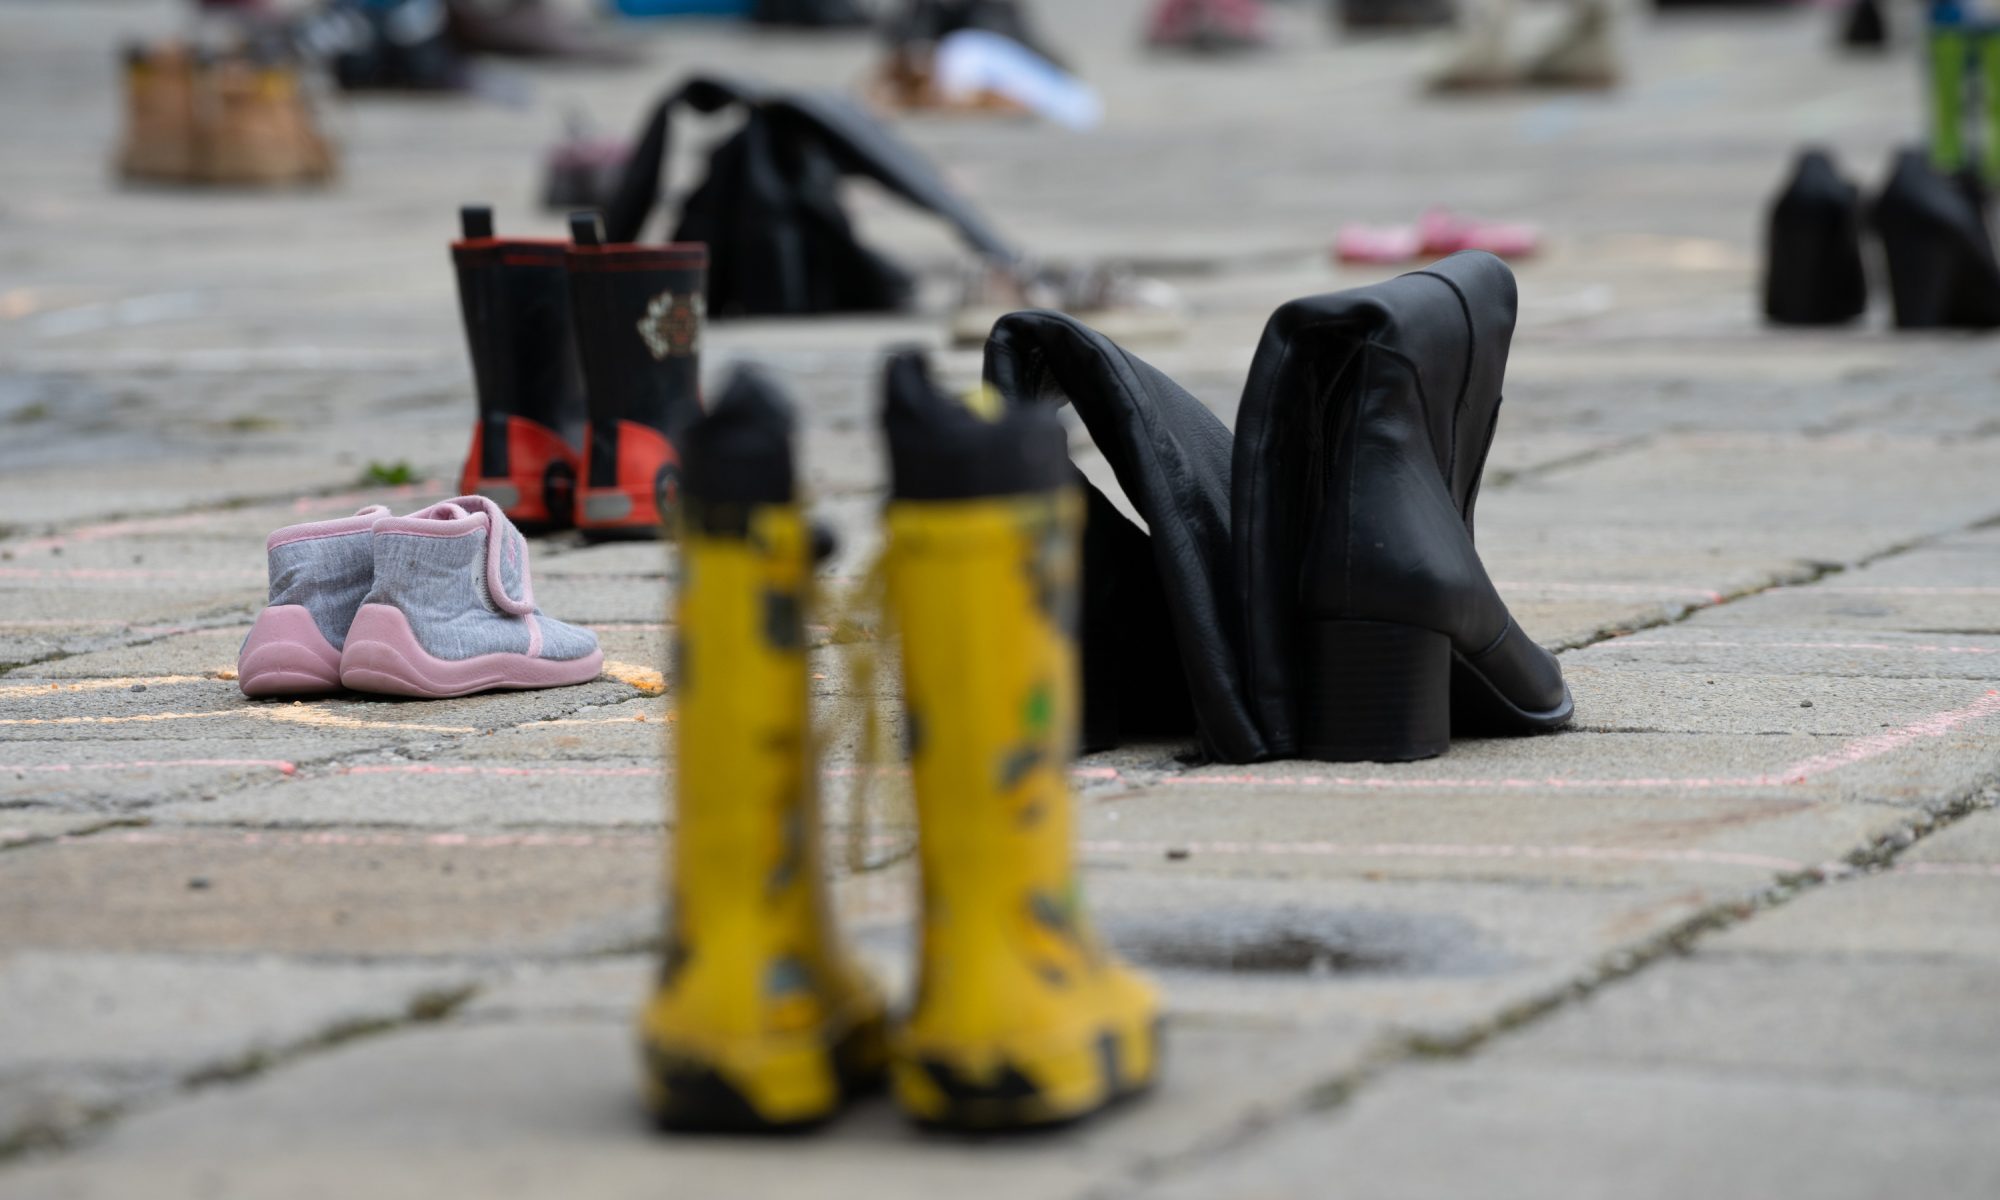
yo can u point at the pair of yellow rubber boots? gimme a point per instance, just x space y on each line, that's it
761 1018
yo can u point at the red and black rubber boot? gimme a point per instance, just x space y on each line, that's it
514 294
639 312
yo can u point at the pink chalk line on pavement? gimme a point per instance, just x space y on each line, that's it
513 772
1857 751
112 529
151 764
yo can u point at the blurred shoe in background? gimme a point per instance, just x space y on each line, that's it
1813 270
1583 54
1479 61
583 169
1864 26
1207 26
1391 16
392 44
529 29
159 115
1942 269
241 118
809 14
1437 233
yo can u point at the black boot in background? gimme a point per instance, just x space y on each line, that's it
1372 632
639 312
395 45
1864 27
1942 271
514 296
1813 273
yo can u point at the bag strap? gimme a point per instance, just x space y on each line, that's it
858 143
645 172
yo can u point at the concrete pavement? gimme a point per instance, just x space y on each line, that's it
1732 934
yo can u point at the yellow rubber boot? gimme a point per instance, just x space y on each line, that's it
1022 1018
760 1020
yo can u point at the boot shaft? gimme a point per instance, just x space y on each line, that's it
749 911
513 294
638 313
984 530
326 568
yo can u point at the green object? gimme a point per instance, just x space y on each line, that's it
393 474
1988 44
1950 51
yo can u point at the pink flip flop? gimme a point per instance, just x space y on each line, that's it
1443 232
1378 244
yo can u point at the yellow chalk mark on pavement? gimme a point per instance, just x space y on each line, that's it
100 685
290 715
646 679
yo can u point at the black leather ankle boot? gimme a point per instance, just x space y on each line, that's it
514 296
1813 273
1942 272
1371 631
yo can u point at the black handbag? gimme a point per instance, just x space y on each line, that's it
779 240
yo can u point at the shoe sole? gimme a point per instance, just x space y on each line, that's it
383 655
753 1086
1024 1089
287 655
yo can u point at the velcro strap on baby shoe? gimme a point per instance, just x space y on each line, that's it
507 579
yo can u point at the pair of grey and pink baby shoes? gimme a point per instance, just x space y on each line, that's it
438 603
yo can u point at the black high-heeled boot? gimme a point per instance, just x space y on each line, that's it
1942 271
1371 630
514 297
1813 273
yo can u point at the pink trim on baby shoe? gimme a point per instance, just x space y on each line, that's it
1379 244
360 522
464 515
1444 232
287 655
384 656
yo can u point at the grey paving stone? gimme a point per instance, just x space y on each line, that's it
1546 1131
1888 1018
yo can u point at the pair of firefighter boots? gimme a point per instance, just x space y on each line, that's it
761 1019
586 361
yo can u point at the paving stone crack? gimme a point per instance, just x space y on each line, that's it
1334 1092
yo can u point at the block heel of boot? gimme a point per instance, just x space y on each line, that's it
1374 692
